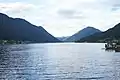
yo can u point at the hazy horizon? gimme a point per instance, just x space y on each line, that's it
65 17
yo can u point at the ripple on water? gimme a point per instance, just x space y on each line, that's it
58 62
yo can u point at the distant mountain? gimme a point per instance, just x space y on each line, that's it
83 33
110 34
20 29
62 38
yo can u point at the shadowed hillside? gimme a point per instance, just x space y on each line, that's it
20 29
83 33
111 34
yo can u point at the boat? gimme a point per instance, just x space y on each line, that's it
117 48
113 46
110 46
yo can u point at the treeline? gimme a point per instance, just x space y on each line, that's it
11 42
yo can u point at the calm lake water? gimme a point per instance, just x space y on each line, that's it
58 61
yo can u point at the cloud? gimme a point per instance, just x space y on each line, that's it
15 7
66 16
70 14
115 7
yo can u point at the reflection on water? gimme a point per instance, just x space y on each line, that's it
67 61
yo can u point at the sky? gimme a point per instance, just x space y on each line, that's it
64 17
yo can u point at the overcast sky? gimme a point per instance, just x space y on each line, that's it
65 17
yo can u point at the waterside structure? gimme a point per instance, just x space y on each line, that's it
113 46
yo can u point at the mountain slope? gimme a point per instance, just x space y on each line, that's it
83 33
112 33
20 29
62 38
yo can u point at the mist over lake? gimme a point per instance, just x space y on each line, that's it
58 61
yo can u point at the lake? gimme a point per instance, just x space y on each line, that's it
58 61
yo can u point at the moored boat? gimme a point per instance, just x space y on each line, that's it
110 46
117 48
113 46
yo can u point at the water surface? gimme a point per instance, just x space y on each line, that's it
58 61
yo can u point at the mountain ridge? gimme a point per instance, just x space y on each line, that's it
20 29
82 33
110 34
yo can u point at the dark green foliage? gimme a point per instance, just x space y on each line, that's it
110 34
20 30
11 42
83 33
